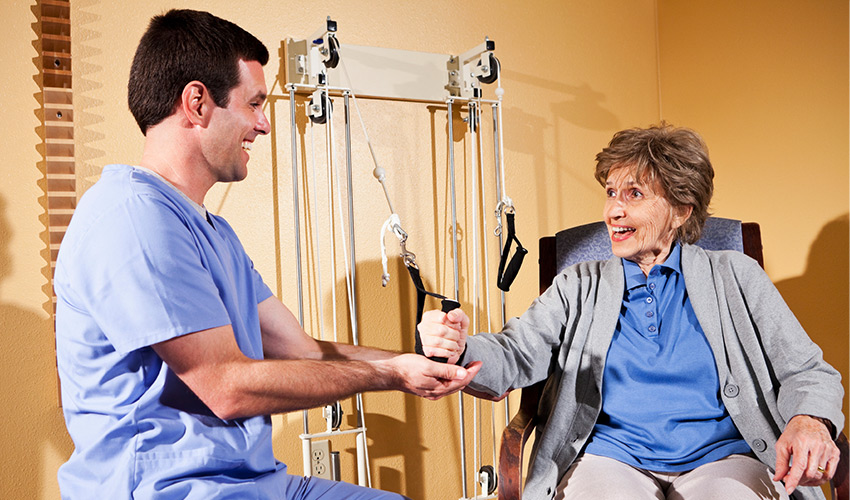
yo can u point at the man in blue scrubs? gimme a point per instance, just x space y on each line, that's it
172 351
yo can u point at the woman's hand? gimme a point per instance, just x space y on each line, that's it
808 441
444 334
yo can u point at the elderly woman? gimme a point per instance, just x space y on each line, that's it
674 372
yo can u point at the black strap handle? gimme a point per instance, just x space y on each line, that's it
506 277
446 306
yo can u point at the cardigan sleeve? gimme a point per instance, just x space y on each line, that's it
805 383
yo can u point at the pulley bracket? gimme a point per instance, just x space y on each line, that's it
386 73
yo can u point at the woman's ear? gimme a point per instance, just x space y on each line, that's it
681 215
195 103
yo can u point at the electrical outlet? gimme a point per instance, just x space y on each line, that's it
321 459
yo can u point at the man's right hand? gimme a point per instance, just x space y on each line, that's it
444 334
428 379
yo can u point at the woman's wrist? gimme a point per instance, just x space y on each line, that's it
825 421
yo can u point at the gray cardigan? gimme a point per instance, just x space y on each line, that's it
769 369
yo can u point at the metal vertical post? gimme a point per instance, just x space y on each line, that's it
363 476
457 282
306 445
497 147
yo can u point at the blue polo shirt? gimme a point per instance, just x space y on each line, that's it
661 404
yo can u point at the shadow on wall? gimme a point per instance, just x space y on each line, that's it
405 432
581 105
87 106
548 139
420 436
820 296
31 423
397 436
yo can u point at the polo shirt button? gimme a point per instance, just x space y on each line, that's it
649 300
731 390
652 286
651 328
759 445
649 314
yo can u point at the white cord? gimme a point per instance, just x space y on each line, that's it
380 175
316 231
392 224
500 93
331 218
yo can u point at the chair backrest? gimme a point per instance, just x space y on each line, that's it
591 242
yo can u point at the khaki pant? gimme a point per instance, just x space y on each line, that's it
738 477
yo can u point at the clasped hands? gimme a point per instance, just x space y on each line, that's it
444 335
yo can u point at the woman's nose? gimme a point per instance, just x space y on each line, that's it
614 207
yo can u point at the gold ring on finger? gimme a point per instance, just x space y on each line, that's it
821 470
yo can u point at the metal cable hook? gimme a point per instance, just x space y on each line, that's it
507 205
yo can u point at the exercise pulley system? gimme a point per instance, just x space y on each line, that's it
323 68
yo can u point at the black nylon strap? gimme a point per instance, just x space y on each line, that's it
507 276
446 306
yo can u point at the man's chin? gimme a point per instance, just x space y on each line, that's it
234 176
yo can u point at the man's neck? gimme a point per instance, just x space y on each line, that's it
174 160
200 208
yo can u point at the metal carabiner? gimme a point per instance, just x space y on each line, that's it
506 205
497 231
408 257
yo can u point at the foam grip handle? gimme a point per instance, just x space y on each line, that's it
512 270
447 305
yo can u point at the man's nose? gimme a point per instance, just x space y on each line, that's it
263 126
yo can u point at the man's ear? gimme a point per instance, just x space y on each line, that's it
196 103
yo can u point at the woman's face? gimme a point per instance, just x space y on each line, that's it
641 222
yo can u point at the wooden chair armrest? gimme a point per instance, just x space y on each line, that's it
840 485
514 438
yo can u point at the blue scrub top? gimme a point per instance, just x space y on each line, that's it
140 265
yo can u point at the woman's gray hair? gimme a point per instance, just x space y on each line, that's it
676 158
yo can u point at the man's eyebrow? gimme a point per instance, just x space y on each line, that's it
259 95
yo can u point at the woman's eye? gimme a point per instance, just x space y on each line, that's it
637 194
610 193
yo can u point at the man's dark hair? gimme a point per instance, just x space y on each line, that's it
183 46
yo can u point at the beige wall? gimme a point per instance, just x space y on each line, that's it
574 72
766 83
33 440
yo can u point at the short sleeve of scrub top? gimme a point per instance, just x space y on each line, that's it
149 270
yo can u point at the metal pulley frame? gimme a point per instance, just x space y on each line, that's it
321 67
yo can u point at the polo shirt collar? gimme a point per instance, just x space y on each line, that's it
634 275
